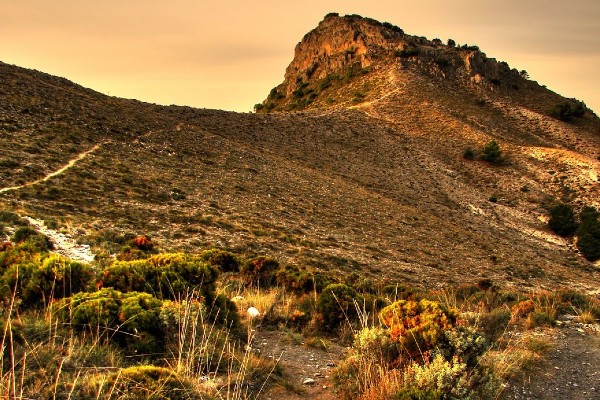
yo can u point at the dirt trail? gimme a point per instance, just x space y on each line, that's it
569 371
308 369
70 164
63 244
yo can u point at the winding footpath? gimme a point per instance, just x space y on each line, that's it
51 175
63 244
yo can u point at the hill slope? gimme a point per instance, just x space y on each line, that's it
369 177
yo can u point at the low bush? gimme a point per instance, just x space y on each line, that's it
295 279
142 382
336 304
224 260
131 319
492 153
588 234
39 279
568 110
260 271
562 220
494 323
166 276
417 326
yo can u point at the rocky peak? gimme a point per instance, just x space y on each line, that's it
342 49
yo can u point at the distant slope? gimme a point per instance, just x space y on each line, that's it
377 185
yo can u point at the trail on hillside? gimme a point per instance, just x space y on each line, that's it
307 368
63 244
59 171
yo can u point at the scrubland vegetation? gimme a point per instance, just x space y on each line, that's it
172 326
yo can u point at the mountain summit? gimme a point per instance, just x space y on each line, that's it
349 60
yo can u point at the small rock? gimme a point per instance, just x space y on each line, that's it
308 381
331 364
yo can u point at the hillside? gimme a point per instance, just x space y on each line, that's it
368 177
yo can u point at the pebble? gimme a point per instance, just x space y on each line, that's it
308 381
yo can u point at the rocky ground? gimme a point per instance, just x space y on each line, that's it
570 369
307 368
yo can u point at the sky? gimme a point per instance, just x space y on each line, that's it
228 54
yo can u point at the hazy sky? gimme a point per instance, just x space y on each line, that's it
228 54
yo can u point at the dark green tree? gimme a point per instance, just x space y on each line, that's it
588 234
492 153
562 220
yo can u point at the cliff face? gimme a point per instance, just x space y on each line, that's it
342 50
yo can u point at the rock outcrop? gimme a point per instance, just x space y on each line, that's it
341 50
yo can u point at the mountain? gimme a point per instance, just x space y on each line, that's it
356 162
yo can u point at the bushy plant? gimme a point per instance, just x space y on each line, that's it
23 233
375 344
37 279
55 278
539 318
261 271
440 376
568 110
336 304
417 326
295 279
414 393
30 240
224 260
491 153
562 219
143 382
494 323
224 312
466 344
522 309
469 154
588 234
164 275
131 319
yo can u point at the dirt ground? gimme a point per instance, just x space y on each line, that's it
300 363
570 369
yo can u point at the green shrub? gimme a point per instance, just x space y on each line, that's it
568 110
57 277
224 260
295 279
469 154
466 344
494 323
38 280
335 305
165 276
414 393
260 271
417 326
450 377
491 153
588 234
224 312
132 319
28 239
375 344
562 219
538 318
143 382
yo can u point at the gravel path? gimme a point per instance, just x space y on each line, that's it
571 370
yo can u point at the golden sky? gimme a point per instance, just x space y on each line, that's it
228 54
